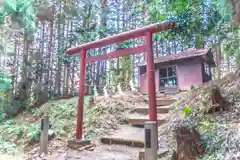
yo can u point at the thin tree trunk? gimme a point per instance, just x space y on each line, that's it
47 86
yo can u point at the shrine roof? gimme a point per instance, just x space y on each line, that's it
190 53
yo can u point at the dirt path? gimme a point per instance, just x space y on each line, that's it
129 132
100 152
59 151
103 152
16 157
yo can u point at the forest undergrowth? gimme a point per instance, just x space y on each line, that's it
101 117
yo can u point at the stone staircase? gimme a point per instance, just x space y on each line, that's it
133 133
141 114
144 110
139 119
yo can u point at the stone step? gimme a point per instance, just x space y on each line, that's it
161 95
125 142
126 135
164 101
145 110
160 154
139 120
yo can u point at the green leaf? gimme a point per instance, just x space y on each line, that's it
20 132
10 5
162 18
187 111
228 16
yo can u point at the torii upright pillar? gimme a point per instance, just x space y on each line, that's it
151 78
79 128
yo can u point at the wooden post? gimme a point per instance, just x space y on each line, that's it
151 137
44 135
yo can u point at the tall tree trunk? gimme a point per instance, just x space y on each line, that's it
24 85
48 78
126 60
103 25
67 65
60 31
218 60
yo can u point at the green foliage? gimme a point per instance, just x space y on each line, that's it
122 72
33 132
18 132
7 147
212 133
224 9
2 115
231 44
86 99
21 12
207 125
187 111
25 131
218 155
5 82
95 93
191 27
6 96
62 115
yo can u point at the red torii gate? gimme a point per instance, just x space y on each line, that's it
146 32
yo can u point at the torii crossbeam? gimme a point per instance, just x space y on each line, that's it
146 32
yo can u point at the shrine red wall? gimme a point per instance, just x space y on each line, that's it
189 72
144 84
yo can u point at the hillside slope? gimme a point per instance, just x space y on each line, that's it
219 130
102 116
